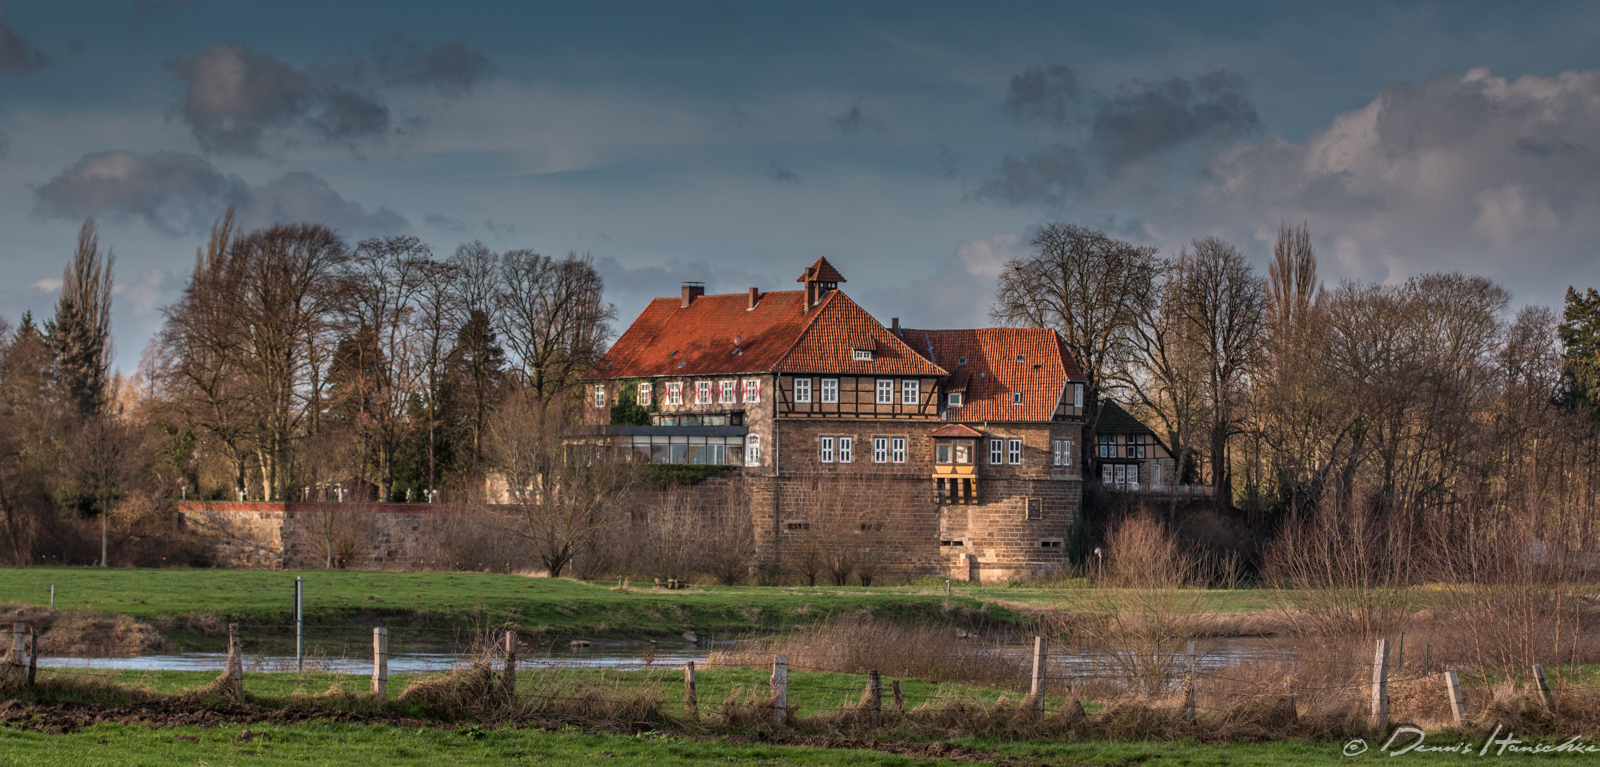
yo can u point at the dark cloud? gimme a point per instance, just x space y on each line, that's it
782 175
854 122
176 193
451 69
235 97
232 95
169 191
441 221
17 57
1049 94
1146 119
1052 175
500 230
631 288
1549 147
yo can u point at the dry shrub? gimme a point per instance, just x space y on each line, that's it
857 642
1150 604
1341 572
754 708
87 635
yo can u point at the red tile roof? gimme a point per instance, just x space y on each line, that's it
992 373
955 430
720 334
821 271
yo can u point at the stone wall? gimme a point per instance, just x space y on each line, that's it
277 536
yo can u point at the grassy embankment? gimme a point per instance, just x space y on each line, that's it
192 607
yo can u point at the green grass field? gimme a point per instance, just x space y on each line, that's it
345 744
263 600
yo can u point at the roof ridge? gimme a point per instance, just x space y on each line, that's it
801 336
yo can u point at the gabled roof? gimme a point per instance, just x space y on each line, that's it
826 345
992 373
821 271
955 430
721 334
1114 420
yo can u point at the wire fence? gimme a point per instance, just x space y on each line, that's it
507 669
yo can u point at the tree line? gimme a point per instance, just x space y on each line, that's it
1424 413
294 366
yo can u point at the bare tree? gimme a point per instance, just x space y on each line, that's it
564 494
1167 377
1091 289
556 321
439 318
1222 304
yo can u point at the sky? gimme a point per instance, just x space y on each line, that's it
916 145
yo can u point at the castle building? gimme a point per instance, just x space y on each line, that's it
951 452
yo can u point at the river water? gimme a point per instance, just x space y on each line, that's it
618 655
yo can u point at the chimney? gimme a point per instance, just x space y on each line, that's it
755 298
895 325
691 290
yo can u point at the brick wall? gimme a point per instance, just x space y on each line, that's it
276 536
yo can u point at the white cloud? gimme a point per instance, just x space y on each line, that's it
987 256
47 285
1472 172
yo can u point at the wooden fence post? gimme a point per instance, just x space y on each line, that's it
780 688
1400 652
1380 687
33 655
19 650
1452 687
691 703
1547 697
1188 686
1036 691
235 670
875 697
380 662
508 681
899 701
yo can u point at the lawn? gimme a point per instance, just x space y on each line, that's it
356 600
346 744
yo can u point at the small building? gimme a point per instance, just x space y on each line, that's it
1131 456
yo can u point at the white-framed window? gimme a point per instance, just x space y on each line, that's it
1014 451
752 390
830 391
644 394
846 449
1016 398
728 395
1108 445
702 392
910 392
941 452
1020 360
996 451
825 449
863 355
880 449
1061 452
752 450
675 393
599 395
802 390
897 450
886 391
955 399
1077 395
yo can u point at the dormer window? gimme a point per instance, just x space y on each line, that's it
863 355
1020 360
955 399
1016 398
963 361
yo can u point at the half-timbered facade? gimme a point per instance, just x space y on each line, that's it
964 443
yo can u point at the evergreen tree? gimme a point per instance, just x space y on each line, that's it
80 334
1580 349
